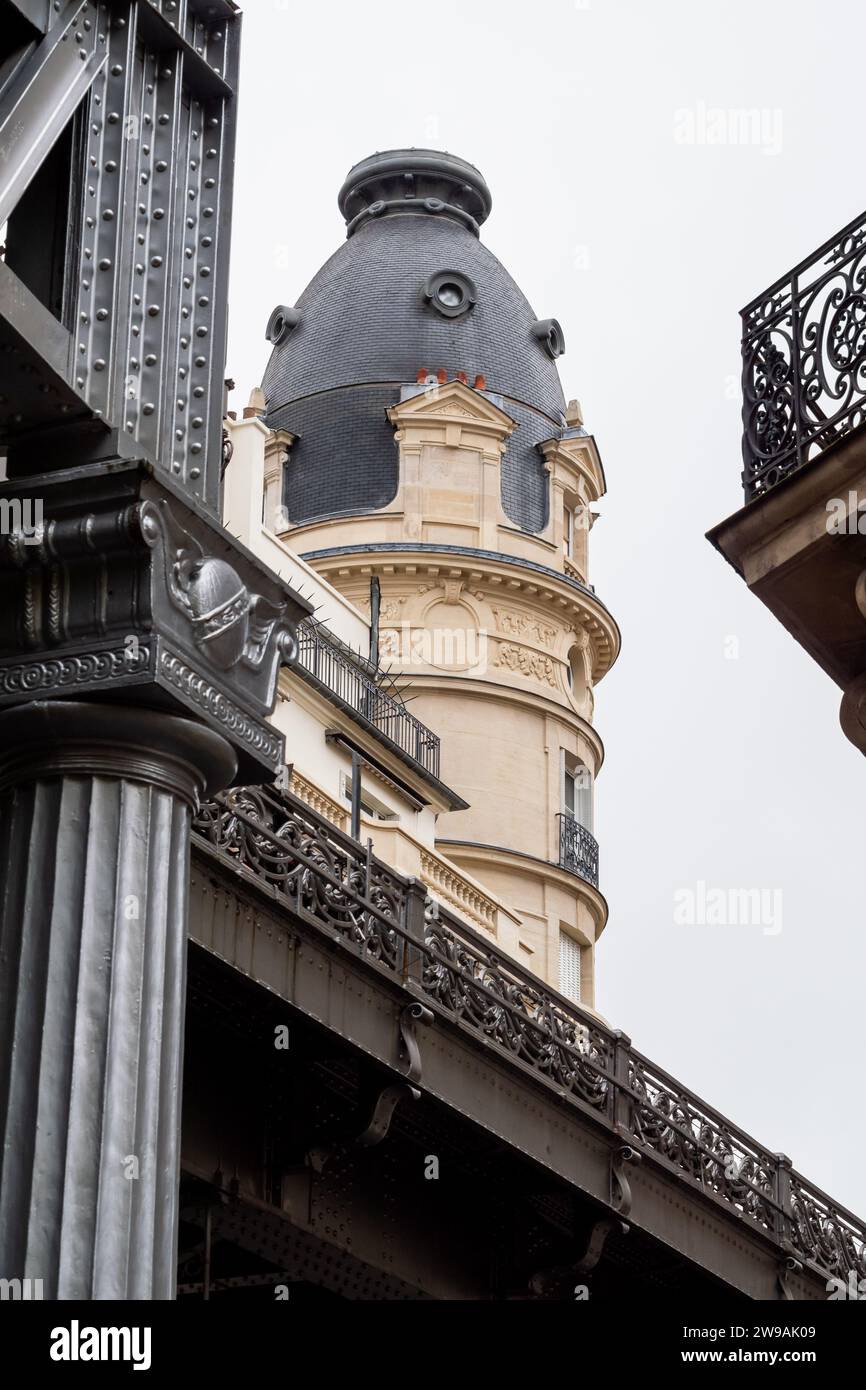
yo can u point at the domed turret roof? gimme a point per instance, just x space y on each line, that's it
411 289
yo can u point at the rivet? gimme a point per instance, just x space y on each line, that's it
201 331
150 360
203 301
161 166
204 271
99 364
195 472
164 119
147 409
108 215
117 70
158 214
207 241
195 448
208 212
111 166
113 117
201 361
102 315
153 310
156 262
197 422
105 263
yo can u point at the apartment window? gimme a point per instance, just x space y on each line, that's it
569 967
568 532
370 804
577 790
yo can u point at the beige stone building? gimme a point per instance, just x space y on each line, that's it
412 466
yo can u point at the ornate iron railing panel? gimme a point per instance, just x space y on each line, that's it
277 842
343 676
804 361
827 1235
578 849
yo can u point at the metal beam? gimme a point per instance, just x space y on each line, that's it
37 105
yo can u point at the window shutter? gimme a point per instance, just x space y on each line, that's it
569 967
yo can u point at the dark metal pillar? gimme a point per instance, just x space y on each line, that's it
139 644
95 805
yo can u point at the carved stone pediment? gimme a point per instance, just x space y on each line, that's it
456 404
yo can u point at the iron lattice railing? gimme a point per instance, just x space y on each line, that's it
578 849
353 684
329 881
804 361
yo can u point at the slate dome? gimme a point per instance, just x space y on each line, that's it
411 288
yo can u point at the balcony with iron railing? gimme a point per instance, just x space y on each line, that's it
578 849
804 361
356 686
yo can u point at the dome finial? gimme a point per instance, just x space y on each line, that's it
415 181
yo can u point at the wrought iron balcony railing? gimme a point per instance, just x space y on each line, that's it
578 849
323 877
353 684
804 361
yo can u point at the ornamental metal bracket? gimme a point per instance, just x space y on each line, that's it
620 1187
551 1282
390 1096
785 1269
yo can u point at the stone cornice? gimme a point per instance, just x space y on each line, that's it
545 587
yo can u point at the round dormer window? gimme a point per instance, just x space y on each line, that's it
451 293
549 333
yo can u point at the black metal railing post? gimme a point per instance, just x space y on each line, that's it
621 1101
415 925
784 1215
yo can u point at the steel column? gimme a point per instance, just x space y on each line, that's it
95 806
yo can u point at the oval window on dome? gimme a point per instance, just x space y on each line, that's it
450 292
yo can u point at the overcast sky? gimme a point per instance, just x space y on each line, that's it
618 211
